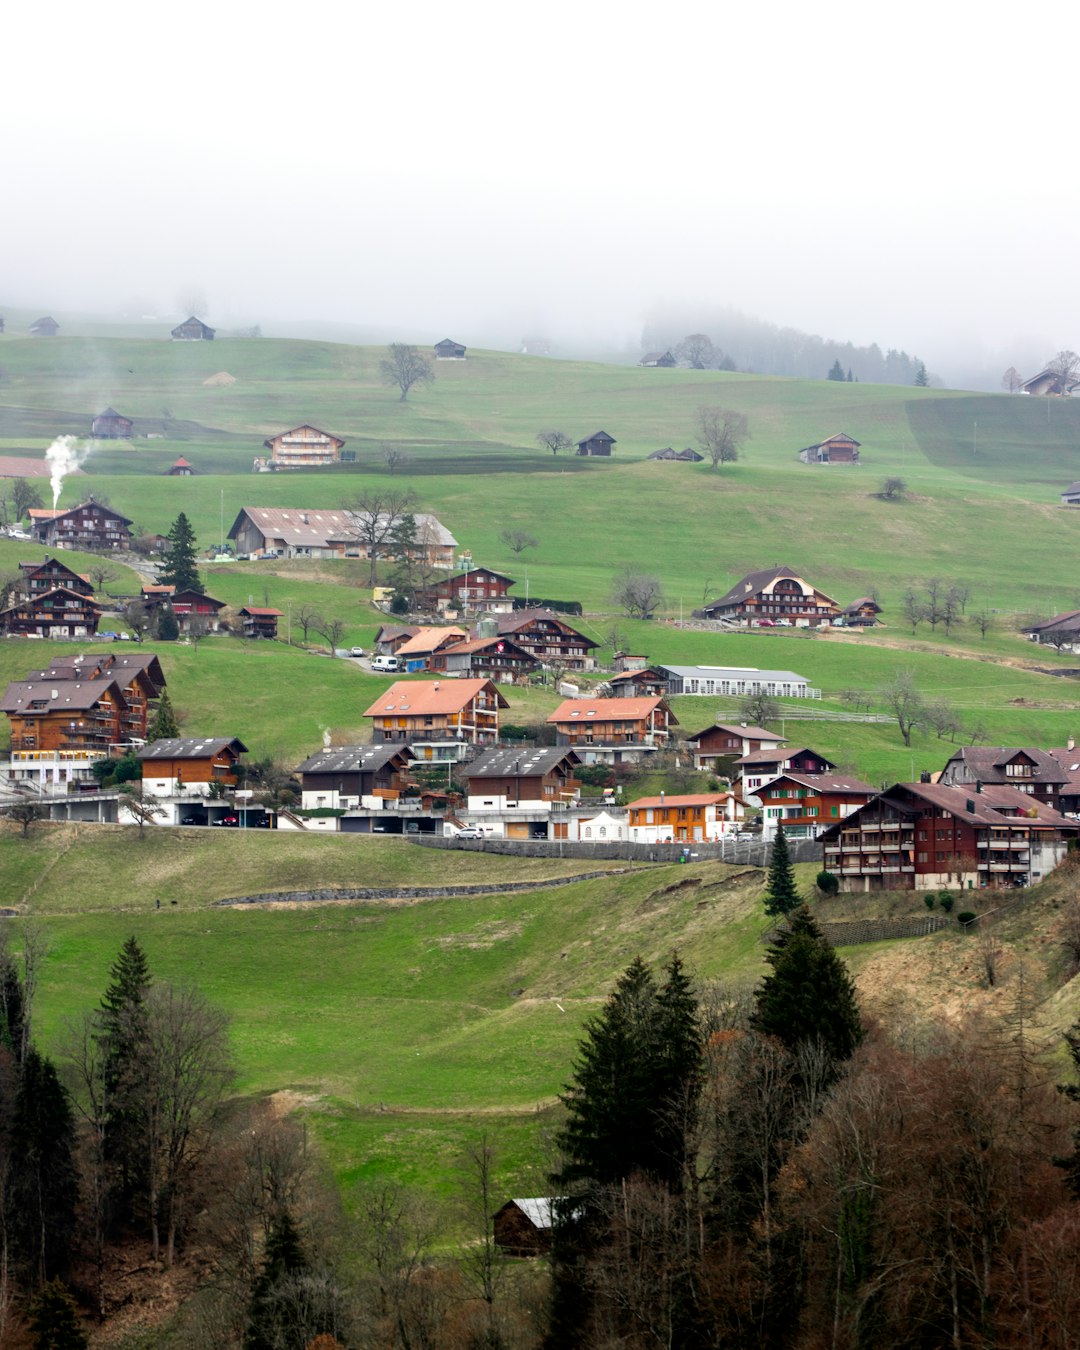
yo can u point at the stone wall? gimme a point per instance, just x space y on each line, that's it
410 892
752 853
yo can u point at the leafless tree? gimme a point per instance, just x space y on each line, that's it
332 630
517 541
893 490
914 609
137 617
952 608
10 587
376 514
186 1067
721 433
482 1264
84 1058
935 602
902 698
990 954
554 440
975 732
394 458
25 815
395 1241
405 367
1065 364
983 619
24 497
143 805
1012 379
697 350
942 719
102 574
1068 929
638 594
859 699
307 618
759 709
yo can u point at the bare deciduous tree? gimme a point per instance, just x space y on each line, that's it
983 619
517 541
1012 379
554 440
1065 364
638 594
903 700
893 490
394 458
376 514
942 719
759 709
102 574
143 805
332 630
697 350
137 617
395 1239
307 618
721 433
914 609
25 815
405 367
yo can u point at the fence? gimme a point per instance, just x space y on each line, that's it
747 853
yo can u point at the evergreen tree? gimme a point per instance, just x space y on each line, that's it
836 371
922 379
168 629
54 1320
679 1076
122 1025
43 1179
809 997
12 1006
781 897
1071 1163
164 727
850 377
283 1258
179 566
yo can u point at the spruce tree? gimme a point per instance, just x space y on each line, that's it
922 379
121 1023
781 896
809 997
284 1257
43 1179
54 1320
836 371
679 1069
1071 1162
179 565
168 629
164 727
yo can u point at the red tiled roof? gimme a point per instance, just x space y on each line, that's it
691 799
607 709
418 698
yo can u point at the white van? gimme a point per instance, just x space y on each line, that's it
388 663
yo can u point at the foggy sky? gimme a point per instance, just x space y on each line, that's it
906 177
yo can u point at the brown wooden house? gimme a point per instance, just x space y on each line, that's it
1034 772
861 613
599 443
494 658
111 426
805 804
40 577
192 609
303 447
449 350
424 713
523 1227
653 360
511 776
190 765
180 468
260 621
647 683
548 637
719 747
89 528
477 590
613 730
59 613
193 330
775 595
340 776
838 449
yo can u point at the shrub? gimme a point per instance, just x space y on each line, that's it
946 901
826 883
929 899
966 918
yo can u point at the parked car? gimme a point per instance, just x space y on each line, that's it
388 663
357 651
470 832
191 820
226 820
765 623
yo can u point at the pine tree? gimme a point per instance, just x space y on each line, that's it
284 1257
179 566
1071 1162
168 629
809 997
922 379
54 1320
43 1178
164 726
836 371
121 1023
679 1079
781 896
12 1006
850 377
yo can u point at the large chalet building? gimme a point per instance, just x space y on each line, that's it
347 777
438 719
89 527
111 426
38 578
303 447
613 730
193 611
805 804
511 778
493 658
921 836
838 449
1035 772
475 591
59 613
547 637
762 766
775 595
297 533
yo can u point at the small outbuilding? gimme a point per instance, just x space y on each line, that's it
523 1227
686 456
449 350
655 359
111 426
193 330
180 469
599 443
46 327
838 449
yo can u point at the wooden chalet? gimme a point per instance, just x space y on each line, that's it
599 443
192 609
340 777
861 613
531 778
478 590
179 468
718 748
623 662
523 1227
84 703
191 765
59 613
771 596
648 683
40 577
761 766
46 327
698 817
89 528
493 658
302 533
1068 801
193 330
922 836
653 360
547 637
686 456
303 447
259 621
613 730
449 350
1036 773
1062 631
807 803
838 449
438 715
111 426
1051 384
390 636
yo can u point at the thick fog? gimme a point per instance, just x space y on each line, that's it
493 171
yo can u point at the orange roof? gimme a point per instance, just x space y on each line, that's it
420 698
41 513
691 799
158 590
429 640
607 709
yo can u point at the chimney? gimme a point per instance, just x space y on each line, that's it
1070 744
924 777
661 796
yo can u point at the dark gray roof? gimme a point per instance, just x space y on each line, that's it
70 695
351 758
986 763
752 583
520 761
191 747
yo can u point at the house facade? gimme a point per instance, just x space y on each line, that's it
775 595
718 748
547 637
762 766
303 447
805 804
1061 632
193 611
1036 773
1050 383
599 443
38 578
438 719
701 817
179 468
59 613
191 766
654 360
838 449
613 730
494 658
477 590
349 777
523 780
89 528
449 350
861 613
260 621
647 683
921 836
193 330
111 426
736 682
416 651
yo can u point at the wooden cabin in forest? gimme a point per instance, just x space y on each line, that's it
193 330
523 1227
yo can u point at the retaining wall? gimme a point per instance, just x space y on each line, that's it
749 853
411 892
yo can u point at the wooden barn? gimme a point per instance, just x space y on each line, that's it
259 621
449 350
523 1227
599 443
838 449
46 327
111 426
193 330
652 360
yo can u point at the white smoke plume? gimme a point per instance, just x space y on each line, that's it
64 456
